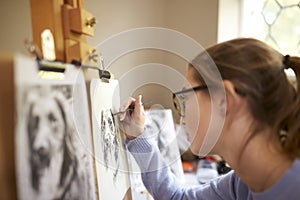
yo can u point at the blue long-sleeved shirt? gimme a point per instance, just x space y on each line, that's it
162 184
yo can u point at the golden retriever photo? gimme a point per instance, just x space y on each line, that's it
56 161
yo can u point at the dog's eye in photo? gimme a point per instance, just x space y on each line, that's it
35 122
54 122
52 118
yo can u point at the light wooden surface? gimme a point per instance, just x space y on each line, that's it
47 14
69 23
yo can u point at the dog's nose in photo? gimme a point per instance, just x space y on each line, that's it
41 158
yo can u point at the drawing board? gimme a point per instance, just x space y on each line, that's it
53 136
110 155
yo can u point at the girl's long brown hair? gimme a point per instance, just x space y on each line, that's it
257 72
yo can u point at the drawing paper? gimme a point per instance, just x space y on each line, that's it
111 160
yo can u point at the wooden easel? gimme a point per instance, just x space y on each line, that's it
7 127
69 23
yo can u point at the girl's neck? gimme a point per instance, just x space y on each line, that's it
258 162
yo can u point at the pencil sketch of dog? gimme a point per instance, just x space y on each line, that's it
110 142
55 171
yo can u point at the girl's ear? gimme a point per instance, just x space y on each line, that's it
233 99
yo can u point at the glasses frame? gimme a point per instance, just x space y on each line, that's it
181 111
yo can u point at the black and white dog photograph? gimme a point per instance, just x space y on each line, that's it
57 165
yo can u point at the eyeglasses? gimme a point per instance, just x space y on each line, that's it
178 98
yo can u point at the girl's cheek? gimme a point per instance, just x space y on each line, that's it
192 118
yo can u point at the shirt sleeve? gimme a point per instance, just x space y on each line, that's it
161 182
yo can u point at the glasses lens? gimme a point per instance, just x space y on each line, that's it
179 105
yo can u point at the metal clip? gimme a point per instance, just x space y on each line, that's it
91 22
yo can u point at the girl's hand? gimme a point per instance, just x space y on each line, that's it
132 122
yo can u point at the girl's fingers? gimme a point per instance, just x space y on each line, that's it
123 108
139 108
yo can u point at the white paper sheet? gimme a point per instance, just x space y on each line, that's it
111 160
